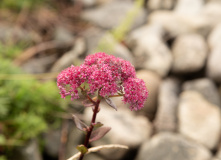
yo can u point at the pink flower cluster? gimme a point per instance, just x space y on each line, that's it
106 74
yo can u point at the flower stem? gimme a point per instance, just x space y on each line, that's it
90 129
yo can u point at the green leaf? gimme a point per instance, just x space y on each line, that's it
81 148
99 133
3 158
4 107
2 139
27 106
97 125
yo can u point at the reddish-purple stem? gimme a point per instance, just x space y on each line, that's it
89 131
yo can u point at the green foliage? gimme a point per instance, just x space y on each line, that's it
3 158
19 4
111 38
81 148
10 51
27 107
120 32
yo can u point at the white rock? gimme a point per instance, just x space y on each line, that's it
109 45
204 86
166 119
189 53
75 137
214 38
167 146
99 41
152 81
214 65
63 35
12 34
189 6
149 49
39 65
123 52
93 156
199 119
177 24
218 154
28 151
71 56
126 129
160 4
110 15
215 158
86 3
51 142
92 36
212 10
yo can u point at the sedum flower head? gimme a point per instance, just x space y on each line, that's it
106 74
135 93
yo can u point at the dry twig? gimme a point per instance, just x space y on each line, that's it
30 52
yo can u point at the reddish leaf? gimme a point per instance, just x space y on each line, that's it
81 148
79 124
110 103
99 133
87 103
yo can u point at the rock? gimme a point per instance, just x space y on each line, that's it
16 35
93 156
153 82
99 41
160 4
219 90
212 10
123 52
62 34
40 64
186 49
110 15
92 3
170 146
86 3
218 155
29 151
166 119
177 24
149 49
213 67
109 45
215 158
214 38
205 87
199 119
189 6
52 142
126 129
71 57
93 36
75 137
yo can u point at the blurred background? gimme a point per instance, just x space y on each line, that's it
175 46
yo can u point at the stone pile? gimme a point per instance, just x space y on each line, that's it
175 45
